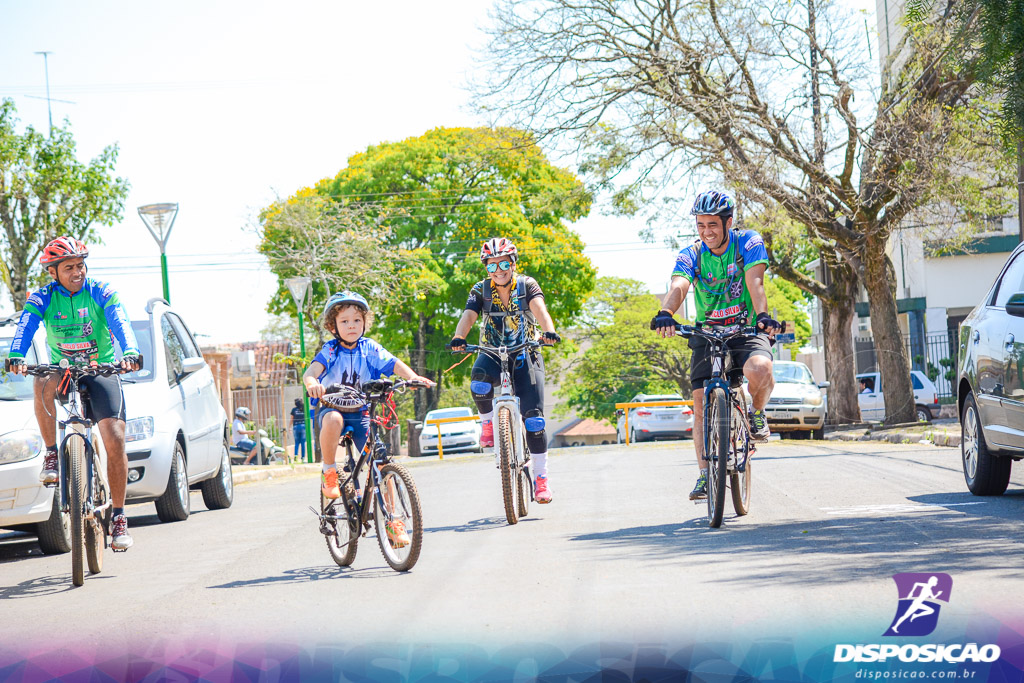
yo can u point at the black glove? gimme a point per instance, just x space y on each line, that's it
552 337
135 359
663 319
765 321
457 344
10 363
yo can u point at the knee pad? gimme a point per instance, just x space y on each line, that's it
481 389
534 424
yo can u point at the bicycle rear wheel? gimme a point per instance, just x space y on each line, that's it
507 464
716 449
524 490
740 482
342 535
402 505
74 456
96 526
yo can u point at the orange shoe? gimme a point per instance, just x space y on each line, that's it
329 487
397 534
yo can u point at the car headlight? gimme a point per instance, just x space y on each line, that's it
18 446
138 429
813 399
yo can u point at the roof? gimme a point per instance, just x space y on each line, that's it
587 427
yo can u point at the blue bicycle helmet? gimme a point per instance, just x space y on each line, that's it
346 297
713 203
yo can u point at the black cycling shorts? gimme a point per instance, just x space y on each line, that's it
101 397
739 349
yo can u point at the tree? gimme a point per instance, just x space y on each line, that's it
440 196
776 99
46 192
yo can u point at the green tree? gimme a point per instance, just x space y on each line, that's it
441 195
45 192
620 355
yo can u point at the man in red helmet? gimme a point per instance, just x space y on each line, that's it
513 308
82 318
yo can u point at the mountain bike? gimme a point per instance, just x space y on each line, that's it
727 442
388 494
513 456
82 474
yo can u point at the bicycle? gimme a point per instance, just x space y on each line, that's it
727 442
513 456
394 495
81 472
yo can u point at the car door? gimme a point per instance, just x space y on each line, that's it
872 404
1013 356
213 423
186 386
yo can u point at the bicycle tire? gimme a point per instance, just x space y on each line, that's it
507 465
342 537
740 482
74 456
96 527
716 450
406 508
524 491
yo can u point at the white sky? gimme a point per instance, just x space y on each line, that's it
221 106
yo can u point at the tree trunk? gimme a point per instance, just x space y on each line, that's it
837 319
880 282
425 399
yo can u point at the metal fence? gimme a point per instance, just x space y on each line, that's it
935 355
267 407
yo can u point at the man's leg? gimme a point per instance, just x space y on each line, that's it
106 407
758 370
700 371
45 392
112 433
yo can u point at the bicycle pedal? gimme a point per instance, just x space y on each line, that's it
119 550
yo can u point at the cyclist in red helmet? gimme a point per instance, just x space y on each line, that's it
82 318
504 296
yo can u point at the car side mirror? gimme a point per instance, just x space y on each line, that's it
824 385
190 365
619 412
1015 305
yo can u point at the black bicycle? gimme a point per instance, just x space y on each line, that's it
512 454
389 494
82 475
727 442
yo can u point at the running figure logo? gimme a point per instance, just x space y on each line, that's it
918 611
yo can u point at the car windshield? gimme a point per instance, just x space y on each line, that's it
449 412
793 373
144 336
14 387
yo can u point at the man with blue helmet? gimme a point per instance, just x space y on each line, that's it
726 268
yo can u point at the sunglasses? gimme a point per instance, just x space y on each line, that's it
504 265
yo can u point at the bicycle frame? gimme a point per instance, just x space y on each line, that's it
74 408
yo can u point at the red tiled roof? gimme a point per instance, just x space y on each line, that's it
587 427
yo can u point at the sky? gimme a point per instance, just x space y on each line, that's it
222 110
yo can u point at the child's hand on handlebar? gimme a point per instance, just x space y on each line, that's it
314 389
423 380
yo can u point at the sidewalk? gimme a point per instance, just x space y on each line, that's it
939 433
244 474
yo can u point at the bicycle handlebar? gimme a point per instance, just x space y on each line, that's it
715 332
471 348
374 390
100 369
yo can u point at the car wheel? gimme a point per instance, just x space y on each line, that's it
633 438
986 474
219 492
923 414
174 505
818 434
55 533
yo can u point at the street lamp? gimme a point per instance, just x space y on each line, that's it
299 287
156 217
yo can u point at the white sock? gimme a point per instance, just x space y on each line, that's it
540 464
330 467
486 417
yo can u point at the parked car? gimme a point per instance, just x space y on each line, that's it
990 382
455 436
25 504
177 432
796 406
872 403
648 423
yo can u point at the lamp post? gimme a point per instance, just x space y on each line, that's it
156 217
299 287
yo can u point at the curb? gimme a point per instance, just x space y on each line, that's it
941 438
259 473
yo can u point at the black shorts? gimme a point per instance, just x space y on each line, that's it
739 351
101 397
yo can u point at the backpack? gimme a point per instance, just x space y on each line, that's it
524 308
733 235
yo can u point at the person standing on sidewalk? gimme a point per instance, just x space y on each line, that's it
299 428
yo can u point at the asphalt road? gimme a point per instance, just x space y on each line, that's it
620 555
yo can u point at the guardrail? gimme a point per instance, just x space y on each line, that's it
646 404
446 420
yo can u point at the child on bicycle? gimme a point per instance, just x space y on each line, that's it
349 359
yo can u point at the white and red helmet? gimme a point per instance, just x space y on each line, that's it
497 247
62 249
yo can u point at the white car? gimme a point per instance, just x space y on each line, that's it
872 401
796 406
455 436
25 504
177 430
648 423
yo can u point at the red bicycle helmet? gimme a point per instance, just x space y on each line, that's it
499 246
62 249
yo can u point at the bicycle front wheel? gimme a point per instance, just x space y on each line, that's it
507 464
97 524
74 456
739 481
401 513
716 450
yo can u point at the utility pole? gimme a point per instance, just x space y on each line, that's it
46 69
